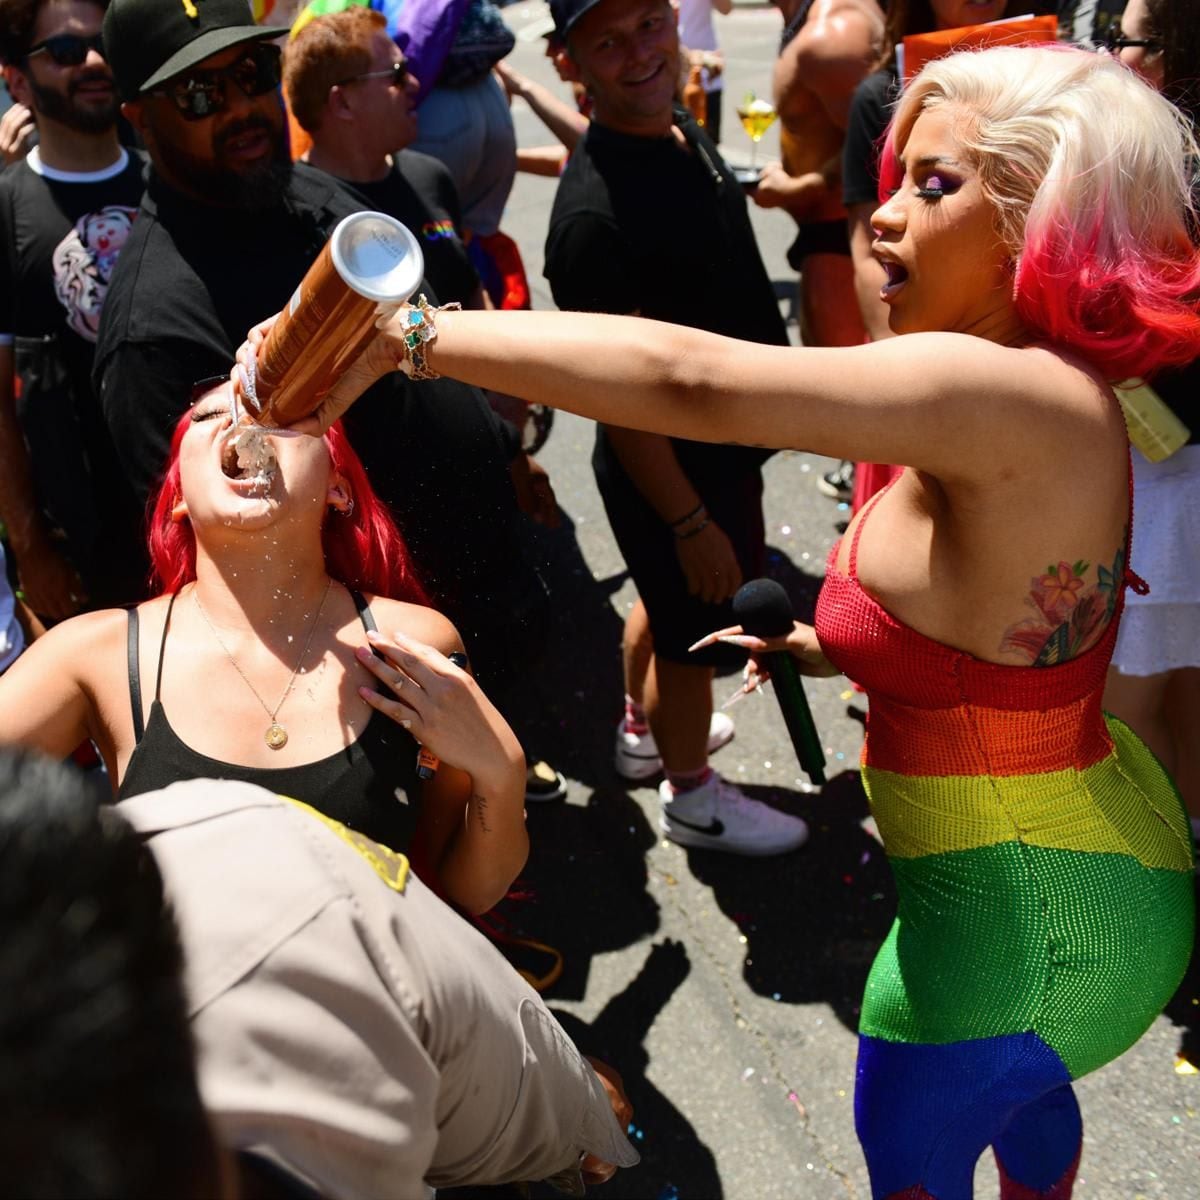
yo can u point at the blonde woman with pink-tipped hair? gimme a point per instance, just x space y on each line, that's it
1034 255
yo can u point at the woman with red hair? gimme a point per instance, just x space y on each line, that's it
286 593
1036 250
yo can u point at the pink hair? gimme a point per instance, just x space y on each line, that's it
1087 169
364 550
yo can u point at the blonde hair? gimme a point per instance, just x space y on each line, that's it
1088 169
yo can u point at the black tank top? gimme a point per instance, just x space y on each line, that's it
370 785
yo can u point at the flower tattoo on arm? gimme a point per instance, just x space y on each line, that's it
1070 613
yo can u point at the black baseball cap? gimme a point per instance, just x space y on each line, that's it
567 12
147 42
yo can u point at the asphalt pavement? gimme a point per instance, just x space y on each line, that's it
725 989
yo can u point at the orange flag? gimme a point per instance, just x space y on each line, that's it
922 48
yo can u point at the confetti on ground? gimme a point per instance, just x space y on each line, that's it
795 1100
1184 1066
747 1074
848 694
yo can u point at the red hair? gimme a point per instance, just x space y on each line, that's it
363 550
1095 210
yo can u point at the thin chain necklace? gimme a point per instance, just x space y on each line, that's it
276 735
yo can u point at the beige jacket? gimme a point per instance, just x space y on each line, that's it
350 1025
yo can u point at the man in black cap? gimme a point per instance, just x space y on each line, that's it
65 211
649 219
227 229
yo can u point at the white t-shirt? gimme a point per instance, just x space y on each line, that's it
12 639
696 32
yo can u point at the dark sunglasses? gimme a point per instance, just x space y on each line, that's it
68 49
202 94
1115 40
396 74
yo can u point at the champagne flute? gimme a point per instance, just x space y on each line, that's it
757 117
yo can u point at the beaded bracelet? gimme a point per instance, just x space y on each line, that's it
691 533
689 517
420 333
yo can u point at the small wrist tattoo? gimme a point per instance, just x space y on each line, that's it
481 807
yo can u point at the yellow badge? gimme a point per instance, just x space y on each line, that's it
192 11
391 867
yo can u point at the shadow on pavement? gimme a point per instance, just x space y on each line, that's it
813 920
1184 1008
675 1163
586 882
565 706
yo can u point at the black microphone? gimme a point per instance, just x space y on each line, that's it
763 609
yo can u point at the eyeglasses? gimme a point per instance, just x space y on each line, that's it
1115 40
397 74
203 94
68 49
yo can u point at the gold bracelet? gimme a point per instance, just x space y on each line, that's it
419 335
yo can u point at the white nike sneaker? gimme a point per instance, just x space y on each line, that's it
719 816
637 756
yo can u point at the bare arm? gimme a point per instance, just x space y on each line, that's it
45 704
829 58
930 400
52 588
562 119
868 274
542 160
471 831
706 555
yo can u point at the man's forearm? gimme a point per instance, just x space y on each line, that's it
649 461
18 505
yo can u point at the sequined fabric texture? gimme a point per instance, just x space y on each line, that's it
1043 866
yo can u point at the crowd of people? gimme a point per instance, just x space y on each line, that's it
314 652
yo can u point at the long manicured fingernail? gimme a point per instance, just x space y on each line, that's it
704 641
745 641
363 653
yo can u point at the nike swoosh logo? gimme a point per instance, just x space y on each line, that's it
714 828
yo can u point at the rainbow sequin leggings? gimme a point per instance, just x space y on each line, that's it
1016 964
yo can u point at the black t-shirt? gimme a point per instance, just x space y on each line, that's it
419 192
60 237
643 225
62 234
190 283
870 111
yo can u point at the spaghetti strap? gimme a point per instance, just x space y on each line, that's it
135 672
162 646
866 512
365 615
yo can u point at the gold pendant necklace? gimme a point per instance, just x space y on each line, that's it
276 735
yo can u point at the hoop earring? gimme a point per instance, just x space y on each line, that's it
348 511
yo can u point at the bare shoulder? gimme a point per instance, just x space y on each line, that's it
838 28
83 649
417 621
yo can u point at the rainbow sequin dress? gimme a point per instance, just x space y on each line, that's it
1043 865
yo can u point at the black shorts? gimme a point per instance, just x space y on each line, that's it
819 237
677 618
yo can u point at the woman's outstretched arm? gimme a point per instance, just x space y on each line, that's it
955 405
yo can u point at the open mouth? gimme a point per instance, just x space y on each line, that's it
654 74
248 457
897 277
